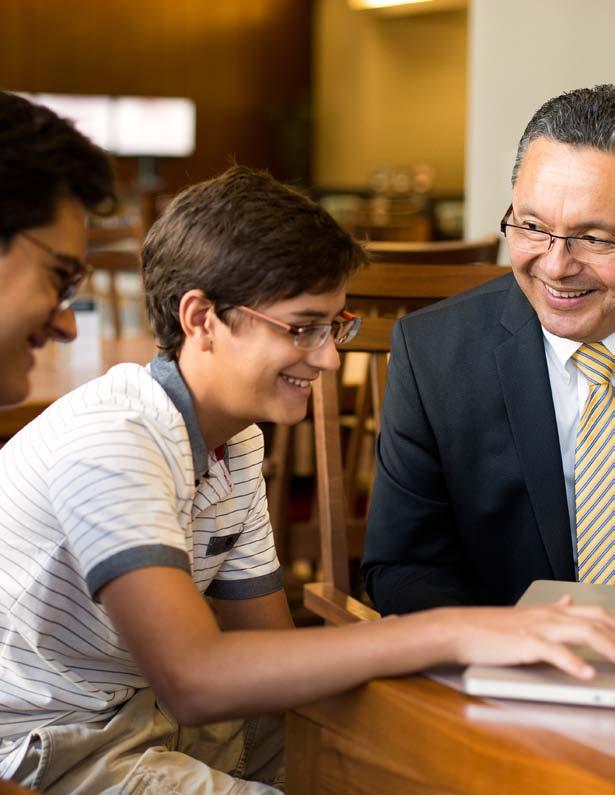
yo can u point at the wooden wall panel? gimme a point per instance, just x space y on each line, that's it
246 63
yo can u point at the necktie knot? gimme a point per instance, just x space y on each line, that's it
596 362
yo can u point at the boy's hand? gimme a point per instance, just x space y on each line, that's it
500 636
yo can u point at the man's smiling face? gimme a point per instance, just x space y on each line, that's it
30 282
567 190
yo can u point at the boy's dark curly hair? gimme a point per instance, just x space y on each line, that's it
43 158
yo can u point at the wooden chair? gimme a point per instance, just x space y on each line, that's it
341 538
393 218
416 227
276 469
113 247
330 598
450 252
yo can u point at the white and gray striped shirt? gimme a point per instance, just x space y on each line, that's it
113 477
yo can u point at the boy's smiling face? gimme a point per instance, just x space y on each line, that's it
250 371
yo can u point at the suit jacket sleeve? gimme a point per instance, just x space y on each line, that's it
413 559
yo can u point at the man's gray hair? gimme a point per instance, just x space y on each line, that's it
584 117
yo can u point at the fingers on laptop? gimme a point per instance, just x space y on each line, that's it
544 633
562 624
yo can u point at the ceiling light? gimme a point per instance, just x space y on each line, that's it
361 4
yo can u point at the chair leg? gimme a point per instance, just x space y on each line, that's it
114 299
277 488
355 442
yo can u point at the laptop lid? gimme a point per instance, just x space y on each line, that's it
542 682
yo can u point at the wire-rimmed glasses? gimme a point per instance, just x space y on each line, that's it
70 270
587 249
314 336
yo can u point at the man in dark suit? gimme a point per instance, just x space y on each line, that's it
475 491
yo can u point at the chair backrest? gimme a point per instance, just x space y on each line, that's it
389 285
450 252
388 219
379 284
374 339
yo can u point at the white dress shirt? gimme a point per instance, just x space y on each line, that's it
569 389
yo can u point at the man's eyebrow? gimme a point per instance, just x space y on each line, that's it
523 209
590 224
595 224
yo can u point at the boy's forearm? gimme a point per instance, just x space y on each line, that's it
203 674
270 671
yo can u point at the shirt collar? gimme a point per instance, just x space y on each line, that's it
166 373
564 348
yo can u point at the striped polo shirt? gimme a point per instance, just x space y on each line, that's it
112 477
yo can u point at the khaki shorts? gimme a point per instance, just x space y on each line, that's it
143 751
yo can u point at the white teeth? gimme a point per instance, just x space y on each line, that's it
567 294
296 381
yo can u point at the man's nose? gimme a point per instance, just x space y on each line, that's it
558 262
63 325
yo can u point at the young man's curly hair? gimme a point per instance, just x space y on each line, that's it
42 159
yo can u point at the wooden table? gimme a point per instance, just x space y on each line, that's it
58 370
415 736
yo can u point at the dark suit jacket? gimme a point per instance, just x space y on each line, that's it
469 504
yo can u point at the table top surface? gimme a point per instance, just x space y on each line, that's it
61 368
593 727
417 729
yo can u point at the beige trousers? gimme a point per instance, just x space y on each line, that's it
143 751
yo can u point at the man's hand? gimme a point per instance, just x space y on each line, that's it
500 636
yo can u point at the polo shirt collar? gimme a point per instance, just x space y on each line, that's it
166 373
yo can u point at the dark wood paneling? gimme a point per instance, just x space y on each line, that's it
246 63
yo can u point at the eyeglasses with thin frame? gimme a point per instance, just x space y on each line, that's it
71 273
310 338
587 249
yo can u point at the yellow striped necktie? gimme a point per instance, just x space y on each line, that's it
594 483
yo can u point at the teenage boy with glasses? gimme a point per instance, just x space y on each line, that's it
481 484
146 494
50 177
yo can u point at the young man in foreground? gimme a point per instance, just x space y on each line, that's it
136 495
50 177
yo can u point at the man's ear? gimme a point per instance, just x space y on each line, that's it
197 316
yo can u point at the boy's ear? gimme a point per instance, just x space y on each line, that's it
197 316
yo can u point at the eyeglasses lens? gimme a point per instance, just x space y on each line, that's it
310 339
346 330
529 240
316 336
69 289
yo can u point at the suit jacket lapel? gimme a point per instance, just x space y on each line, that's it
524 378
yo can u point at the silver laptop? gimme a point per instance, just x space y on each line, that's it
542 682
